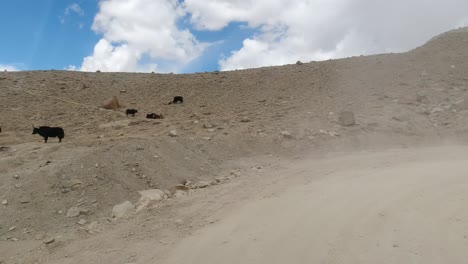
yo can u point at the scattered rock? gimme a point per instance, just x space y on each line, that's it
16 176
148 196
347 118
122 209
5 202
179 187
235 174
75 212
82 222
201 184
186 182
214 182
11 228
111 103
92 227
299 63
179 221
220 179
167 193
173 133
208 125
245 119
49 241
286 134
72 184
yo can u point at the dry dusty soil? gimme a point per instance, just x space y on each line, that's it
357 160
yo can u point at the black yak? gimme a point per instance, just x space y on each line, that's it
154 116
131 112
177 100
47 132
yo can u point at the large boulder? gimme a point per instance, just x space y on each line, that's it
111 103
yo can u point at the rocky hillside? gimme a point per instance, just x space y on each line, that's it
106 157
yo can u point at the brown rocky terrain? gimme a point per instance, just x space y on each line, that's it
238 132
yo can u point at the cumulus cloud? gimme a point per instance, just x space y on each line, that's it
321 29
4 67
141 35
147 35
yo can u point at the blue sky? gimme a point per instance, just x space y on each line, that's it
35 37
42 35
205 35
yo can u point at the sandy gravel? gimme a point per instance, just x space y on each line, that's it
403 206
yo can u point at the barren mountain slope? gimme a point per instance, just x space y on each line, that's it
230 121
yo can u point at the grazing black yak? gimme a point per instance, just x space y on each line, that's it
131 112
154 116
177 100
47 132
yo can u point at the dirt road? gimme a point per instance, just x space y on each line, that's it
400 206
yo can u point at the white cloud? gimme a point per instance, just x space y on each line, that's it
140 33
320 29
71 9
4 67
145 35
70 68
75 8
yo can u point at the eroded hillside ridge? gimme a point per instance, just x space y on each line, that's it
417 92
